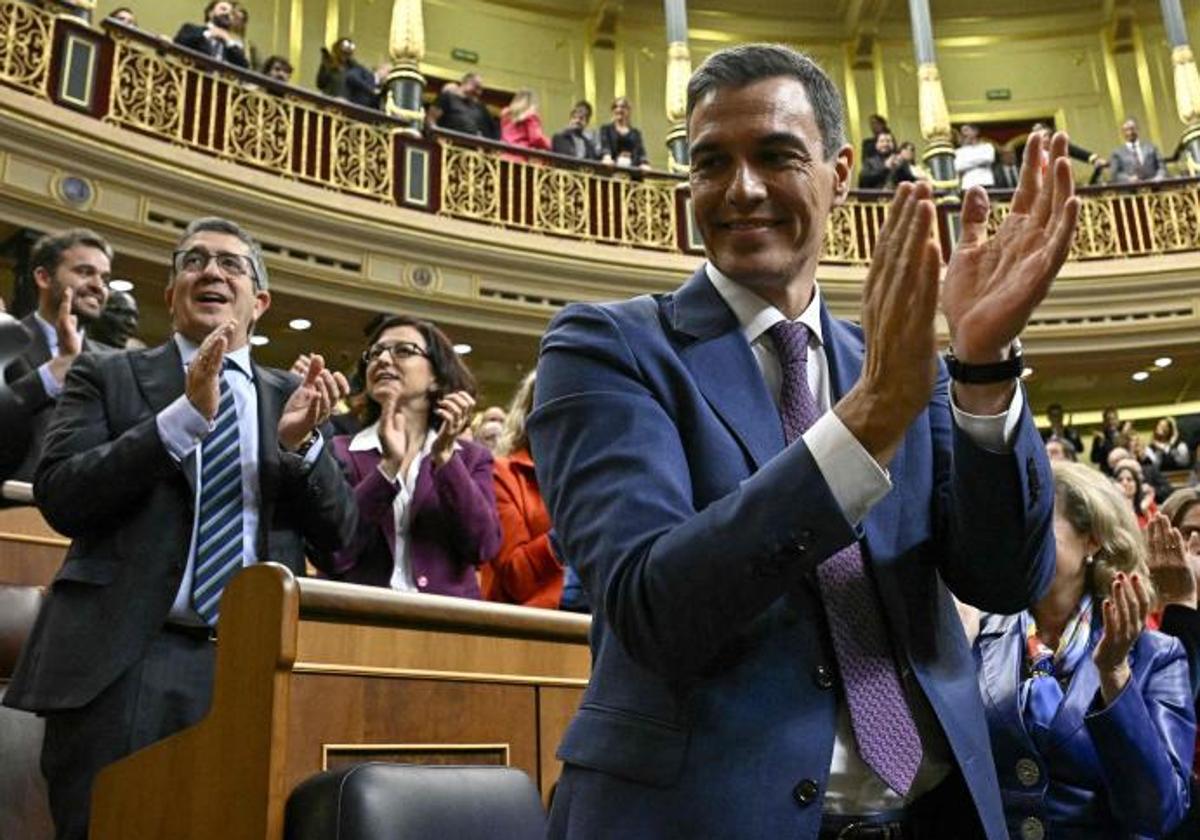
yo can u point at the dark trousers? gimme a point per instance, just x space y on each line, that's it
167 690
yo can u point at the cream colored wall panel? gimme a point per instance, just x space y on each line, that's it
28 175
118 203
459 282
384 269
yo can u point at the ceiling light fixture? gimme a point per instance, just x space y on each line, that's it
300 324
462 349
121 286
1141 376
259 340
1163 362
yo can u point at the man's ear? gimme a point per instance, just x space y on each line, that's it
843 166
42 277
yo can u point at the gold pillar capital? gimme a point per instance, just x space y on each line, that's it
1187 85
406 46
679 70
935 116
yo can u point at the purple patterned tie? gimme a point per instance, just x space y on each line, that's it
879 713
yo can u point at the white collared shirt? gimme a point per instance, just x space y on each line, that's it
856 482
406 485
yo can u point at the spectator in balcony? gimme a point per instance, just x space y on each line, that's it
71 270
973 159
1136 160
426 504
1151 474
214 37
278 68
1006 172
621 143
887 167
575 140
1060 449
460 108
908 153
124 15
239 20
524 570
118 323
1075 152
342 77
520 123
1166 450
1105 438
878 124
1060 429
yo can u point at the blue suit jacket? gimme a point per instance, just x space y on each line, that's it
1115 771
696 532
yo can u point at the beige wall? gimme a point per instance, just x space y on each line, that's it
1052 66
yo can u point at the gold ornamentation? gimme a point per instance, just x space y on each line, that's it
25 46
260 128
679 70
1096 231
561 201
147 92
362 160
841 245
935 116
1187 85
470 183
406 44
649 210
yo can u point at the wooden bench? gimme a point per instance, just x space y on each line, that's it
313 674
30 550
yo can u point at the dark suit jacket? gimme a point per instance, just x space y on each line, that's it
107 481
564 144
1113 771
613 143
453 528
660 453
36 406
192 36
1123 165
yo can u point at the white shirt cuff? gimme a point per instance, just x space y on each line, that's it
855 479
310 457
53 386
181 427
993 432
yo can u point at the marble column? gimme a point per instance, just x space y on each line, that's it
406 47
679 70
935 117
1187 80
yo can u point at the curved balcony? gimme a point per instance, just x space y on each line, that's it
124 131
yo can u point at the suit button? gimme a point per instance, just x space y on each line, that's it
1032 829
823 676
804 542
1028 772
422 581
806 791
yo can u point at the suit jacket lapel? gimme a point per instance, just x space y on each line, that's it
272 391
161 378
38 351
723 366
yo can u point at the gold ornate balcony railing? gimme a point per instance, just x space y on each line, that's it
146 85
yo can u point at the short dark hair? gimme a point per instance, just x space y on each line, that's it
908 144
211 5
216 224
748 63
273 60
48 250
583 103
468 76
120 9
448 368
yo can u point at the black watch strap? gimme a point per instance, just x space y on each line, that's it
1010 368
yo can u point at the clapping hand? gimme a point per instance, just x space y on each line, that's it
1171 565
203 387
311 404
455 412
993 284
70 343
1125 612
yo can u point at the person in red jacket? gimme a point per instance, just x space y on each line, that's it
520 124
525 570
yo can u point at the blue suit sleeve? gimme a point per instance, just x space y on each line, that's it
674 582
1145 740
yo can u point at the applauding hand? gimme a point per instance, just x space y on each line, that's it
203 387
1125 612
311 404
70 343
1171 567
455 412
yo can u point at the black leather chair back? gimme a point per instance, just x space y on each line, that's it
378 801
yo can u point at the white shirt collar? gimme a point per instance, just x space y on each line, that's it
367 440
754 314
240 357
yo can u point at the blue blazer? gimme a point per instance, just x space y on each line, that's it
1117 771
711 710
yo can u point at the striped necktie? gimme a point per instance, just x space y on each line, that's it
879 714
219 530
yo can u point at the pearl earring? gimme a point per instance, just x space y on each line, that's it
1087 561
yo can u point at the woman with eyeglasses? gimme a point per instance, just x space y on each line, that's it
427 510
1090 714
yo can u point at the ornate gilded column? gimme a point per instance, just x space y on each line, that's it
679 70
1187 80
935 117
406 47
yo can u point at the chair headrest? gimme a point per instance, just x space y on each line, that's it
18 609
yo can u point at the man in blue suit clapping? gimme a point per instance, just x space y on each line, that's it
769 507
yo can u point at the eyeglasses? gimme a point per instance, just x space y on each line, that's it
399 351
195 260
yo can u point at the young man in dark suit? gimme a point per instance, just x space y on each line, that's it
213 37
71 270
770 506
170 468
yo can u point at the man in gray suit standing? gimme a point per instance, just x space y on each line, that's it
1136 160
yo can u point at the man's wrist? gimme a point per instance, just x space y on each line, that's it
301 446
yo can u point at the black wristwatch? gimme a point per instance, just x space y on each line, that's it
969 374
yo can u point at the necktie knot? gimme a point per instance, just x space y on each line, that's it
797 407
791 343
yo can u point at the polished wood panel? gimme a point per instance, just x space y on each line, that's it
312 673
30 550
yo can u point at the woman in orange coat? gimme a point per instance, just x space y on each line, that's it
525 570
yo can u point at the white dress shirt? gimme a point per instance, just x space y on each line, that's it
973 163
406 485
856 482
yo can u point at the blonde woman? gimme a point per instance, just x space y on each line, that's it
525 569
1090 714
520 123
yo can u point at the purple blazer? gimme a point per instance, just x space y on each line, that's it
453 528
